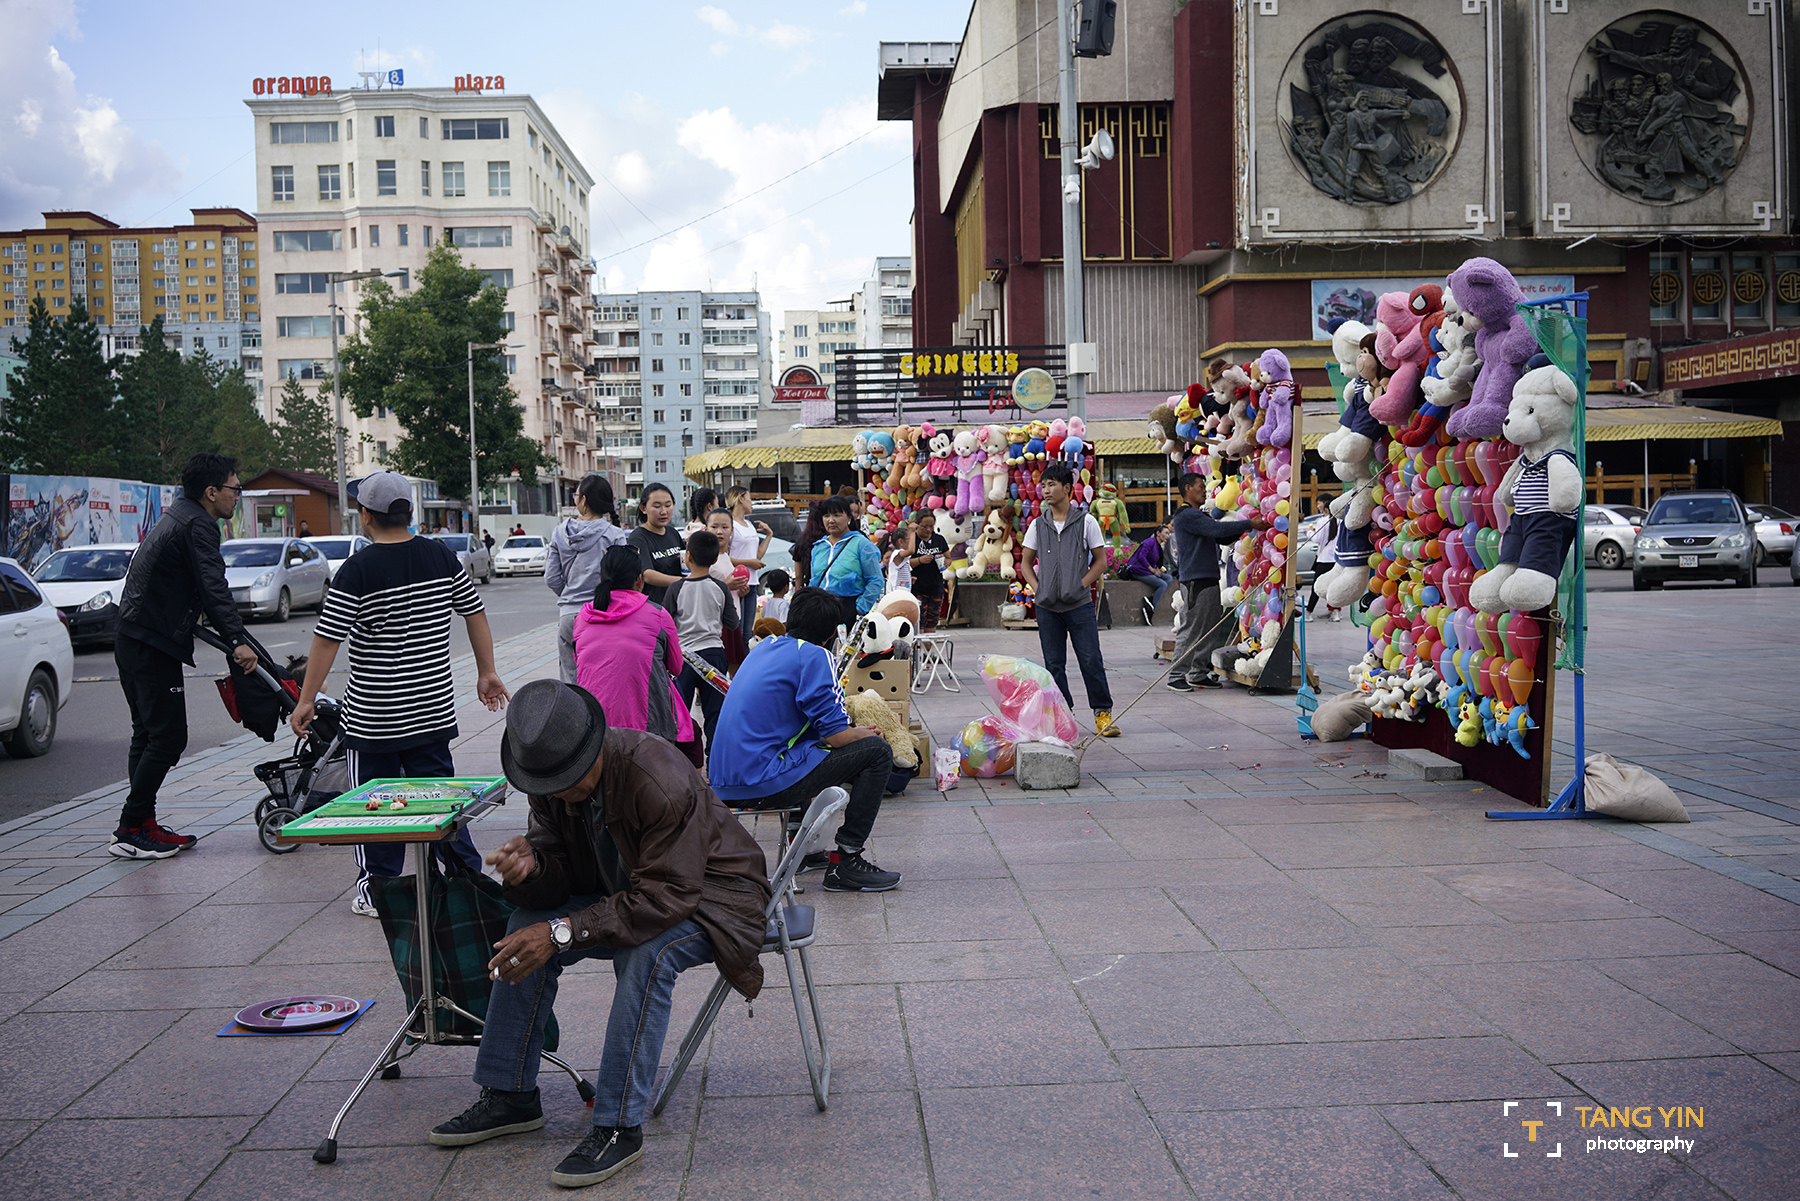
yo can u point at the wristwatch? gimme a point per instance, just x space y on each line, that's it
561 934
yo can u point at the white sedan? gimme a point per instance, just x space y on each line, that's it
85 584
37 665
521 554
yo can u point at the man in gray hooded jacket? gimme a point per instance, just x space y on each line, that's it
572 566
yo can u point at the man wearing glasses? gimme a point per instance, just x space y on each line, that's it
176 576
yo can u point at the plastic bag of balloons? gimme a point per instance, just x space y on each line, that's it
987 747
1029 699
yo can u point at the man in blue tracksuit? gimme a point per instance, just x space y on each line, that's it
790 739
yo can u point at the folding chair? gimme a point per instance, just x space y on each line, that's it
790 931
934 661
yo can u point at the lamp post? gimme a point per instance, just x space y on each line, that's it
333 279
1069 120
474 476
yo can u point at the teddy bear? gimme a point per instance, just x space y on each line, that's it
1450 377
1408 317
767 627
859 450
1279 394
994 548
1544 490
1036 433
1075 444
906 446
1346 341
1353 439
1503 343
1162 430
992 440
866 708
965 449
1234 382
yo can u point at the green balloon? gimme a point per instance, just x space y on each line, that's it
1487 545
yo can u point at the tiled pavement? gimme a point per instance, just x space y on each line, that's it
1230 965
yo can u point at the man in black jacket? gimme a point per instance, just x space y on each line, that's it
176 575
1201 629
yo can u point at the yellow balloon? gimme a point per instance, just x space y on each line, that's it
1281 508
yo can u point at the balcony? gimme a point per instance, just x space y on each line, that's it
546 264
556 428
570 317
551 347
568 245
544 222
568 281
588 300
547 304
748 321
573 435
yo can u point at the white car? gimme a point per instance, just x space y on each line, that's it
521 554
273 576
37 665
336 549
85 584
471 553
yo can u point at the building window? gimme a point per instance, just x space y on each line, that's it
1665 287
425 127
799 352
684 339
508 322
659 441
353 179
603 339
1707 282
405 279
687 390
662 467
482 129
1787 287
684 364
453 180
656 365
799 331
297 240
331 182
403 235
306 327
656 339
425 179
284 132
512 364
302 283
479 235
656 314
687 440
687 415
303 368
499 179
428 235
387 178
659 416
374 235
384 127
1749 288
656 391
500 277
281 180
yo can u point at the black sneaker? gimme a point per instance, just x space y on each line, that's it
1179 684
850 872
1211 680
139 843
818 861
495 1114
605 1151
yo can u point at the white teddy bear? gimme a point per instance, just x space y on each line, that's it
1544 489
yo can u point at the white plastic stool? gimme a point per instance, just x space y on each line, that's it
934 659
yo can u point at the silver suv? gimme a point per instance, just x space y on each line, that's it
1695 536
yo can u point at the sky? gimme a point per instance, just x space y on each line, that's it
136 112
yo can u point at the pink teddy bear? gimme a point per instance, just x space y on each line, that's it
1400 345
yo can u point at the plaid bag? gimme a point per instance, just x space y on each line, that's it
468 916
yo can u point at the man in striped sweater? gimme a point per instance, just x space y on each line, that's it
392 602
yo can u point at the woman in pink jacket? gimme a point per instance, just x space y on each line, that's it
628 653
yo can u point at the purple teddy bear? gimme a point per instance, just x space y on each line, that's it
1503 344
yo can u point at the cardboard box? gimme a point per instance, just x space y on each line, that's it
890 679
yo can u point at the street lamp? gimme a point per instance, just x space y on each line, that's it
333 279
474 477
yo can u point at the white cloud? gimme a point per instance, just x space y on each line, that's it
719 20
856 9
781 36
65 148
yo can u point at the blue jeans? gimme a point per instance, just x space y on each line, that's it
644 975
1082 630
429 762
712 701
1159 583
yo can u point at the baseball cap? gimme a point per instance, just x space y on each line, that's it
381 491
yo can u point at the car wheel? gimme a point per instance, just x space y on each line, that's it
1609 555
284 605
1748 579
37 718
1761 554
1639 583
324 591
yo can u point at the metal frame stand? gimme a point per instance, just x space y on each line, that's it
420 1025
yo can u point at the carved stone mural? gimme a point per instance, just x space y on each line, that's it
1370 111
1657 108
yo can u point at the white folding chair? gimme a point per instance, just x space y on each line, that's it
934 661
791 930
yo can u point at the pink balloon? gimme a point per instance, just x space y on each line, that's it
1276 557
1283 489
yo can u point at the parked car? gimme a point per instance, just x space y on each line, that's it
337 549
85 583
1609 534
1774 533
1695 536
521 554
37 665
270 577
475 560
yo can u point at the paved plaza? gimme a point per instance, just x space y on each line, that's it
1231 964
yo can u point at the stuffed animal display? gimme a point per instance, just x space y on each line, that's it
993 549
1502 343
1543 487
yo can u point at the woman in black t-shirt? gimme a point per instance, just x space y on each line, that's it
929 552
658 545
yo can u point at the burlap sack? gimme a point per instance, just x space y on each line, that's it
1627 791
1337 718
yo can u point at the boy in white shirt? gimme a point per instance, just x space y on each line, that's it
1063 560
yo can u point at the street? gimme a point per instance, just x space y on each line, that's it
94 728
1771 576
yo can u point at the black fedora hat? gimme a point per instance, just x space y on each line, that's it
554 732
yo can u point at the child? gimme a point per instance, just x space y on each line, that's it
703 609
775 604
718 524
896 555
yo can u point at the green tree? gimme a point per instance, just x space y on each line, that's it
304 432
165 410
410 358
236 426
60 418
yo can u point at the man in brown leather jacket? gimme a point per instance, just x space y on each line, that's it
629 857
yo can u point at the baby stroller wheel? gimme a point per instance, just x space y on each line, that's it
270 826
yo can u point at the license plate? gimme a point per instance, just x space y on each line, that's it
1690 560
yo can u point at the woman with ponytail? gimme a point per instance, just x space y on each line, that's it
628 653
572 566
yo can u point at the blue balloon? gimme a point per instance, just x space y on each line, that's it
1281 523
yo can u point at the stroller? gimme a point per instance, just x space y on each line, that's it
261 701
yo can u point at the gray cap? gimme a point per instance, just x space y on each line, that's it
380 491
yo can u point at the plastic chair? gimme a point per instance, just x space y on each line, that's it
934 661
791 930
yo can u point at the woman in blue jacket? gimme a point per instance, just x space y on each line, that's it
845 563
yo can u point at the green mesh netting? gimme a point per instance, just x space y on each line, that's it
1563 337
1337 385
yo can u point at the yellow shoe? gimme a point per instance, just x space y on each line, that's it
1104 725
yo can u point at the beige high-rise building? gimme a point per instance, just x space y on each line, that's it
370 179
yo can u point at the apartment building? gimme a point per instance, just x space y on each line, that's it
883 304
200 278
371 179
677 373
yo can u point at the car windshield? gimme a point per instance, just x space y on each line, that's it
457 542
524 544
332 548
1694 510
1771 513
75 566
251 554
